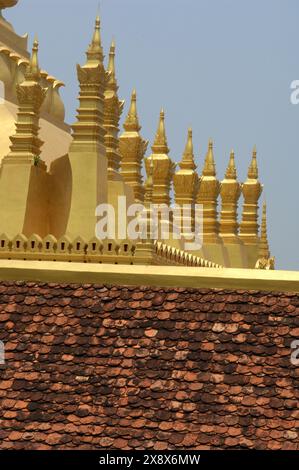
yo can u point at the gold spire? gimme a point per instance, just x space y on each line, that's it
253 170
185 184
112 83
26 144
160 144
132 123
230 191
33 70
164 166
95 50
231 172
252 190
187 162
264 251
132 148
209 166
207 195
113 108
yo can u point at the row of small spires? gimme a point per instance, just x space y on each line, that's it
94 59
187 162
132 122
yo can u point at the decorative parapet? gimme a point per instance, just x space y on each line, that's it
49 248
173 256
64 249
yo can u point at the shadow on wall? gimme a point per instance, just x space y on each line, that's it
60 195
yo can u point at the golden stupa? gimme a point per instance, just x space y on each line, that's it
53 177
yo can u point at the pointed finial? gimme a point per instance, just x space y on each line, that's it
112 83
95 50
231 172
253 169
187 162
160 144
132 123
33 70
264 251
209 165
189 144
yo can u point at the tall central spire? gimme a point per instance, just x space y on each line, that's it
92 77
87 152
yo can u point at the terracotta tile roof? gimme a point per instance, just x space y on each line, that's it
91 366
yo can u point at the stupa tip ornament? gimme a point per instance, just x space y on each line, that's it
95 50
33 70
231 172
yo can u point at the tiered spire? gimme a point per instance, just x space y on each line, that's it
23 182
163 165
230 193
264 251
88 131
185 183
112 112
26 143
132 148
207 195
265 260
252 190
87 154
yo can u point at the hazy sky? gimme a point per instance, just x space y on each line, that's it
223 67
